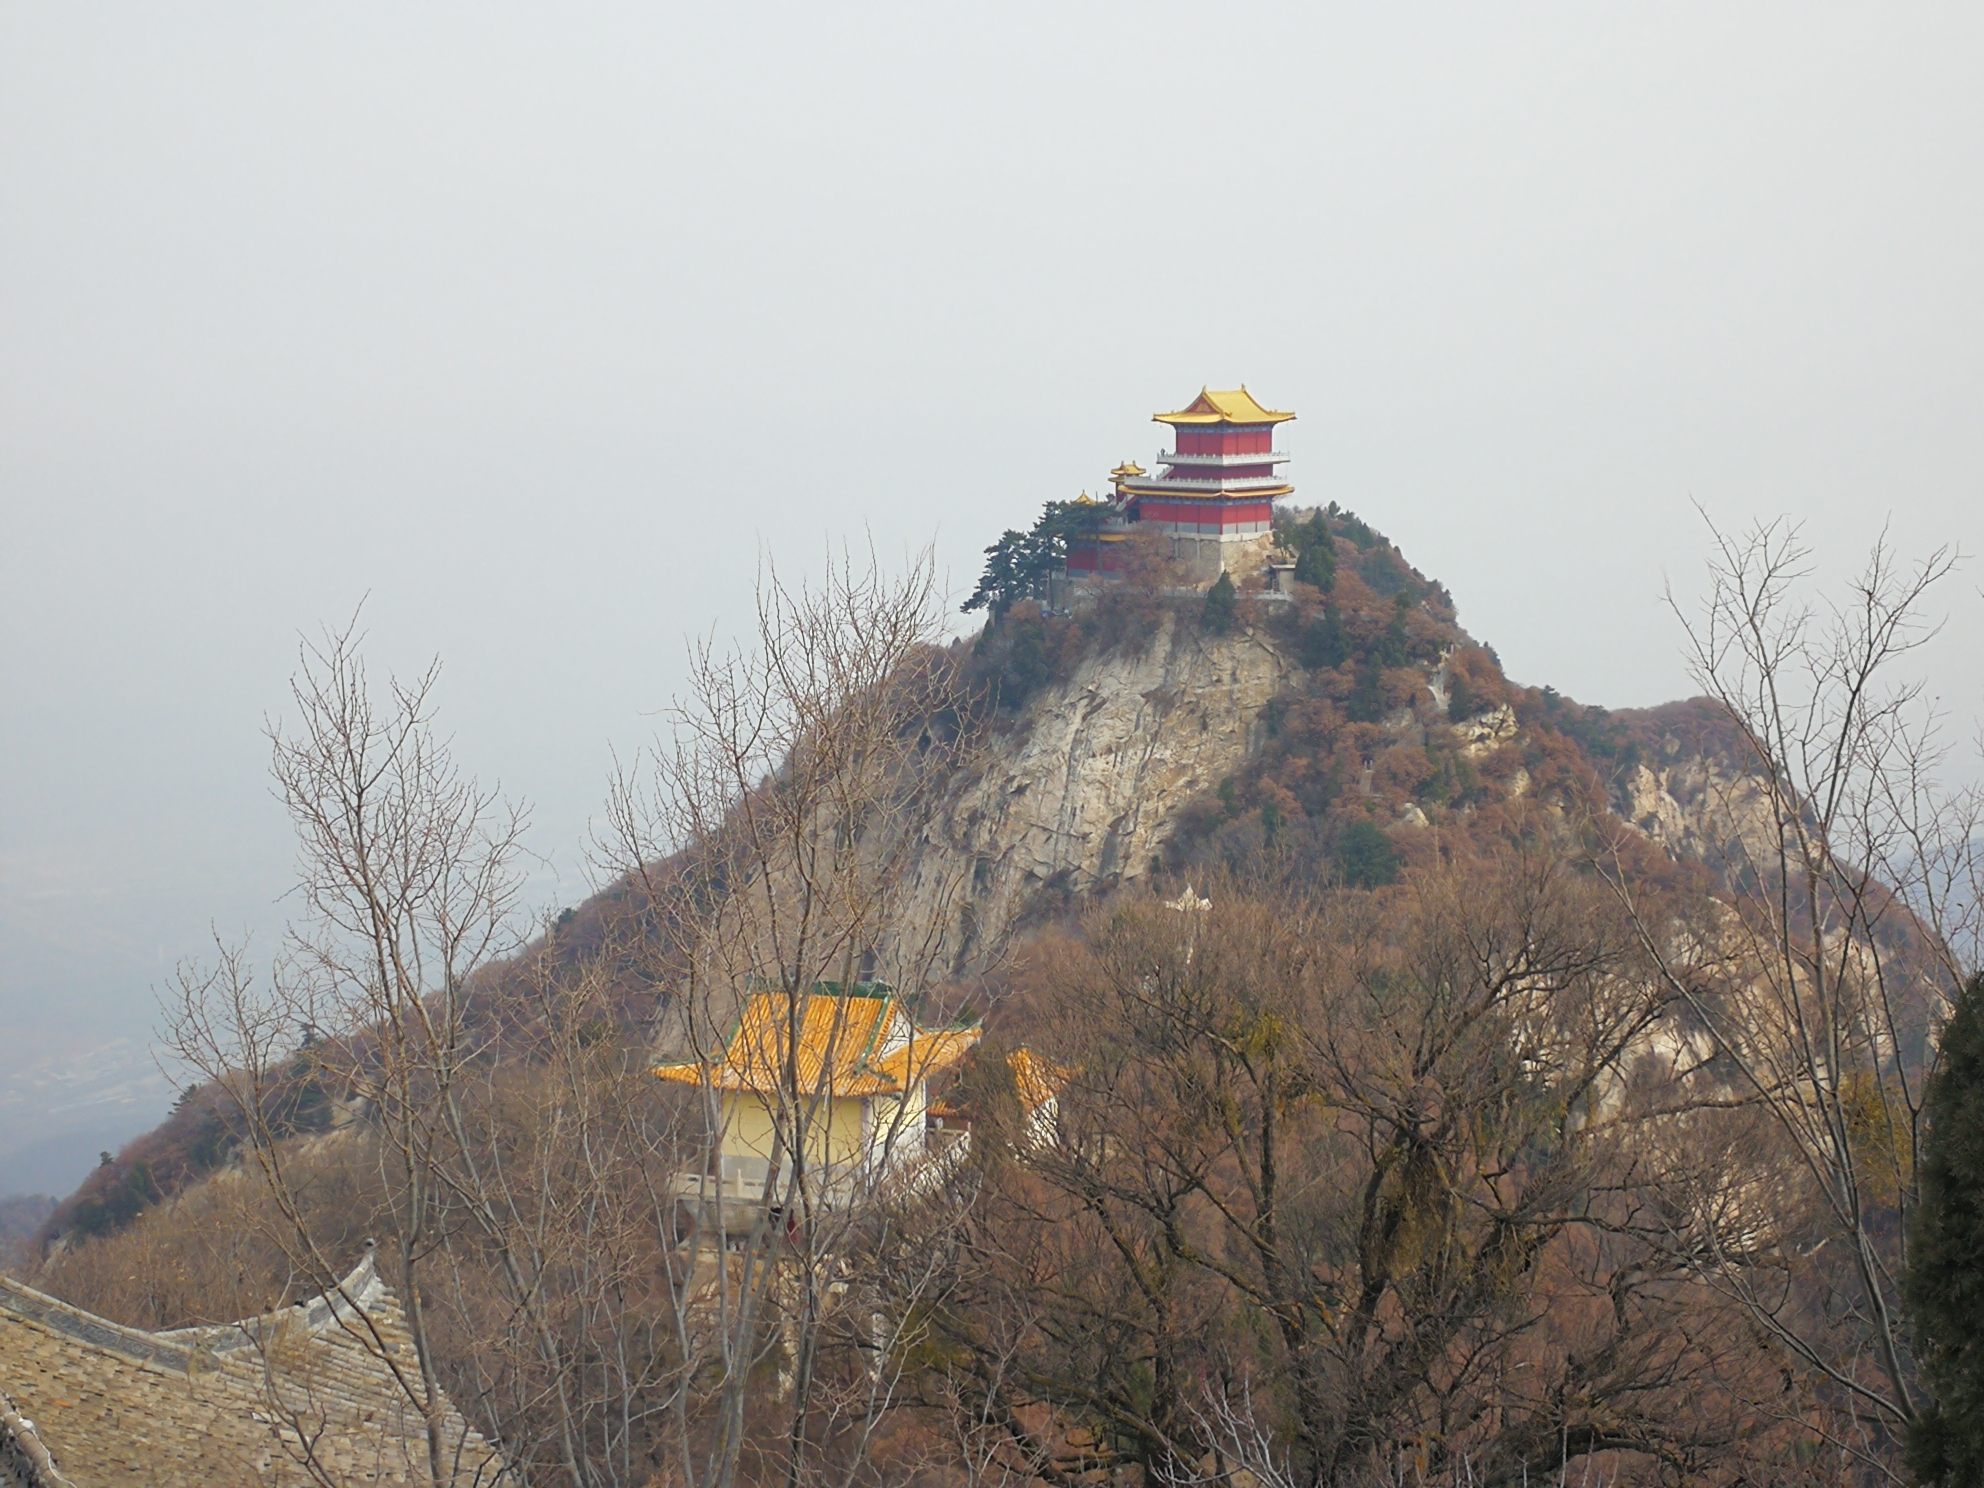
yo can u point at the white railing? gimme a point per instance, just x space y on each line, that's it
732 1202
1265 457
741 1180
1216 483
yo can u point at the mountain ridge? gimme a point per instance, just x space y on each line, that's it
1348 731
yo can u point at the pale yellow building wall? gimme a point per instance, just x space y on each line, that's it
896 1124
747 1127
842 1131
832 1136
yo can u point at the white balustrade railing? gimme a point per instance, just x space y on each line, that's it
742 1179
1214 483
1265 457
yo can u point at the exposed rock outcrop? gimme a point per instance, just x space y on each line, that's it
1697 806
1087 788
1485 733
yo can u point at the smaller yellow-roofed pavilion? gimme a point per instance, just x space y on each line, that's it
839 1076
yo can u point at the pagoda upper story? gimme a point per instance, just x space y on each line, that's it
1221 479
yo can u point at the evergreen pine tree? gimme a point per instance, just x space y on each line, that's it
1221 602
1317 565
1315 554
1945 1284
1324 644
1271 820
1020 563
1365 856
1367 703
1460 697
1392 649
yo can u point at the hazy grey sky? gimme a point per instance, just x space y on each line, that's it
537 324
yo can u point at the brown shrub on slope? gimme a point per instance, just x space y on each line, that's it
1352 1188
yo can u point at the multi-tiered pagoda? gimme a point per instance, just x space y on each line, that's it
1221 480
1217 487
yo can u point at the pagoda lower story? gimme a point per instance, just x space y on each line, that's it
1217 488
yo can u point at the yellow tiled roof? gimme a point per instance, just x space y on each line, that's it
1248 493
853 1045
1037 1081
1223 406
927 1052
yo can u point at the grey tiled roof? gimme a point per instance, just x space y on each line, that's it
316 1393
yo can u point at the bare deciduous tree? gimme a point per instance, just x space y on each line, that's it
525 1166
1376 1160
514 1145
407 875
776 837
1816 983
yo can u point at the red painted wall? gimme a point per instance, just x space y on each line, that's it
1094 557
1226 513
1253 439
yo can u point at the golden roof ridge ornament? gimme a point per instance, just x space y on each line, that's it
1223 406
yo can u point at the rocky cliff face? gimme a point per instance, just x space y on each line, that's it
1693 799
1092 781
1083 790
1086 786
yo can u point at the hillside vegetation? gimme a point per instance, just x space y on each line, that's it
1423 1077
